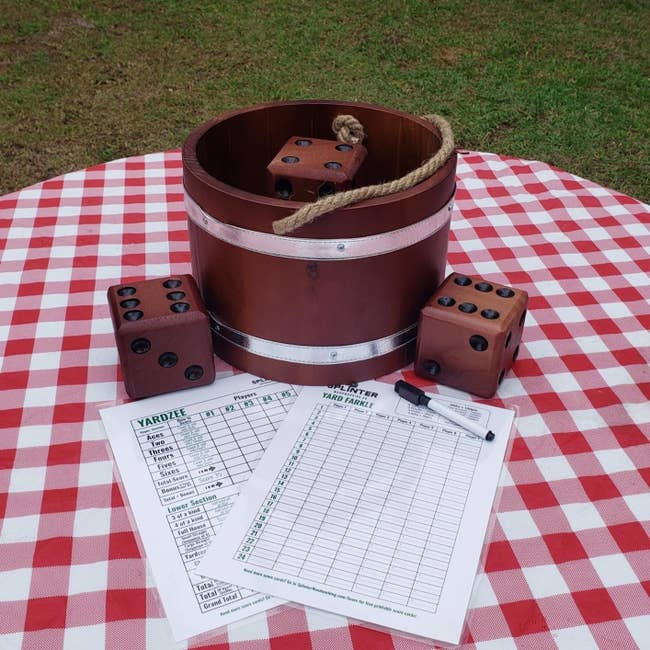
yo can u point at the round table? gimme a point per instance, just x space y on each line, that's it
567 560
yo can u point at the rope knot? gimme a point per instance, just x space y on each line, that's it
348 129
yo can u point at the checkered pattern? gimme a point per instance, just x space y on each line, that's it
567 563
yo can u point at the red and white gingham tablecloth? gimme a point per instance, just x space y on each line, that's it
567 563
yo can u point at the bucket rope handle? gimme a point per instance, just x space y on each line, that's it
348 129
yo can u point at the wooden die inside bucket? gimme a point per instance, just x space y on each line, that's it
338 299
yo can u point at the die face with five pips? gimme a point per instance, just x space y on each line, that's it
469 333
163 335
306 169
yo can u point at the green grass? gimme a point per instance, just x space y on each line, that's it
565 82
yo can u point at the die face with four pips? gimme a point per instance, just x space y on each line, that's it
163 335
306 169
469 333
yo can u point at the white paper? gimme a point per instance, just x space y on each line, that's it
368 506
183 458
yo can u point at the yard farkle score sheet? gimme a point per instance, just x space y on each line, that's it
368 506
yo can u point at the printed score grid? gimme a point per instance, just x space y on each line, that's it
198 448
230 439
196 454
370 514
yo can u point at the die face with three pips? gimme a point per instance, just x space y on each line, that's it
469 333
306 169
163 335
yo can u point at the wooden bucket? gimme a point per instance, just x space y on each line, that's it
338 300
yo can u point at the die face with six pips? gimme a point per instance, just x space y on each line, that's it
163 335
306 169
469 333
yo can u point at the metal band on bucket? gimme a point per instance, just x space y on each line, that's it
313 355
319 249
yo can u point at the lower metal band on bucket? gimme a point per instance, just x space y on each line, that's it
319 249
314 355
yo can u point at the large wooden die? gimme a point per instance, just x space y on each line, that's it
469 333
163 335
306 169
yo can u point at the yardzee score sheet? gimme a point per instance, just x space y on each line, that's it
183 458
368 506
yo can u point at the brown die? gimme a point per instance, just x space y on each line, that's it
469 333
163 335
306 169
